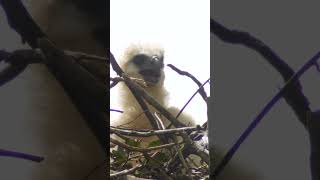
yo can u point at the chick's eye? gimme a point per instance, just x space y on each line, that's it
139 60
155 58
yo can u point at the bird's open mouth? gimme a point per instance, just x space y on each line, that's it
150 76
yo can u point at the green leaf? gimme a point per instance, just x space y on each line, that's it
119 156
162 157
132 142
154 143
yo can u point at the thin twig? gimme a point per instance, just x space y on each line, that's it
264 111
132 148
115 110
202 92
115 81
149 133
125 172
20 155
194 94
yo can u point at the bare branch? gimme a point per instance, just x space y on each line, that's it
115 81
21 21
139 133
293 94
125 172
20 155
194 94
132 148
202 92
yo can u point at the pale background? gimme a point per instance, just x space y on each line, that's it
182 28
279 148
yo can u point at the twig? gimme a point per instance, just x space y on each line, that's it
129 132
81 55
132 148
182 159
163 173
202 92
125 172
293 94
152 101
115 81
264 111
20 155
194 94
18 61
115 110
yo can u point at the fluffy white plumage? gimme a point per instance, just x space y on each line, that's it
133 116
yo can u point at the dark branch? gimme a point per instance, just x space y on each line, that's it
21 21
20 155
293 95
292 92
202 92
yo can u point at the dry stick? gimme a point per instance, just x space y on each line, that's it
202 92
182 159
174 138
152 101
116 110
159 121
164 174
149 133
177 148
135 119
194 94
203 95
81 55
185 151
18 61
132 148
115 81
20 155
125 172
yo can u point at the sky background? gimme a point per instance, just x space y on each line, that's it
244 82
182 28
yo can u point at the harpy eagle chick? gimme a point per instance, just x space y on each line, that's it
144 62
